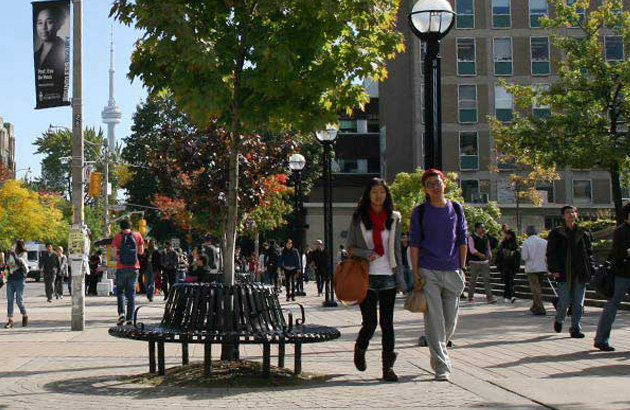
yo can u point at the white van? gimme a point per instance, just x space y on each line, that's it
34 251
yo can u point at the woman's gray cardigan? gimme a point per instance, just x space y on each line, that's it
358 239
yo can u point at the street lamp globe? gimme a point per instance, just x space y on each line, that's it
297 162
431 18
327 135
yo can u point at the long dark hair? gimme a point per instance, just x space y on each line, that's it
511 242
362 211
19 247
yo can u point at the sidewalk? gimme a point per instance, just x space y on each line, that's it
503 357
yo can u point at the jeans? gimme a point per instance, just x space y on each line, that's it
15 291
58 285
126 279
289 282
442 290
273 277
508 290
168 280
622 287
385 299
149 282
319 278
574 296
408 275
475 270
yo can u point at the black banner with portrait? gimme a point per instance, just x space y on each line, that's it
51 44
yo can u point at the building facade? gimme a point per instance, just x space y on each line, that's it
7 146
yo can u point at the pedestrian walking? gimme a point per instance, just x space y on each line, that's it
621 263
170 261
374 234
318 258
49 266
437 237
272 261
127 246
262 264
291 263
405 251
94 263
480 254
152 269
569 261
16 280
533 254
62 275
508 262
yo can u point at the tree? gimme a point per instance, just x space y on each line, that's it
408 192
272 208
249 66
585 126
5 173
25 214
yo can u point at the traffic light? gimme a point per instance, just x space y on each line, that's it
142 226
94 189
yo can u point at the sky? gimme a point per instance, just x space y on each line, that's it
17 82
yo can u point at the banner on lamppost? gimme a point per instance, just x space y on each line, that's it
51 44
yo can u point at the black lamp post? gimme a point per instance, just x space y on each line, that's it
296 164
327 138
431 20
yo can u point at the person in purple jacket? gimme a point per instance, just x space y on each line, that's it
437 238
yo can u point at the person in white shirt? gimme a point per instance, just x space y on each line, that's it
533 254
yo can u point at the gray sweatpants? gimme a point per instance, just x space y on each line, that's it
442 290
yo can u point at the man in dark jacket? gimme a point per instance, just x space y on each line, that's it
169 262
318 257
569 260
49 265
621 261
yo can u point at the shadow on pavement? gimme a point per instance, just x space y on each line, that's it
569 357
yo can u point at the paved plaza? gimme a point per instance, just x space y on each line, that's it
504 359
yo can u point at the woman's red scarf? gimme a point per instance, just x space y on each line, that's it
378 226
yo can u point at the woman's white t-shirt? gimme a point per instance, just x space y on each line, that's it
380 266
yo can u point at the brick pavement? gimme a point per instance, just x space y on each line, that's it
503 357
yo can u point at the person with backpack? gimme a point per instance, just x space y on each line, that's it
16 280
509 262
273 260
621 262
127 245
170 261
437 237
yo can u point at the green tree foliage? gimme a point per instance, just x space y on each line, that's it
250 66
25 214
408 192
589 101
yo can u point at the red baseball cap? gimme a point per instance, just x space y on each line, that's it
431 173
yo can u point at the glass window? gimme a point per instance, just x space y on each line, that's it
501 14
541 110
545 190
582 191
503 104
357 154
467 103
537 9
466 56
468 151
472 193
580 11
348 125
539 48
373 125
465 10
614 48
503 56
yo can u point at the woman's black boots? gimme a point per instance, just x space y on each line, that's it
389 358
359 358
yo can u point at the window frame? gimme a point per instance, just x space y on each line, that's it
494 26
531 57
540 107
529 11
590 182
474 22
582 14
474 61
623 49
494 57
461 168
478 181
497 87
459 101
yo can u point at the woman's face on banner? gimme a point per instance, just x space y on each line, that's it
46 25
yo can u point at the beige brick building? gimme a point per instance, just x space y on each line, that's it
7 145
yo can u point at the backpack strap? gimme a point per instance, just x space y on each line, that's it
458 210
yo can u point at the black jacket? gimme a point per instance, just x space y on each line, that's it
508 258
49 263
570 254
621 243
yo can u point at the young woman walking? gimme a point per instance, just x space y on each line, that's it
18 268
374 234
291 264
508 262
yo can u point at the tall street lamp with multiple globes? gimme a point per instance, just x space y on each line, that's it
327 138
430 21
296 165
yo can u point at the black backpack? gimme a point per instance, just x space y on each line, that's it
128 249
272 259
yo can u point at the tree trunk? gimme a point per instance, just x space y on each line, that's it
616 192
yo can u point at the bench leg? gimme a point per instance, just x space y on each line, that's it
281 352
266 372
298 358
207 359
152 356
184 353
161 366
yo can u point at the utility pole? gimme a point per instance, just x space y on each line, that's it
78 232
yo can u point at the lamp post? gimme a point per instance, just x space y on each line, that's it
430 21
296 164
327 138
